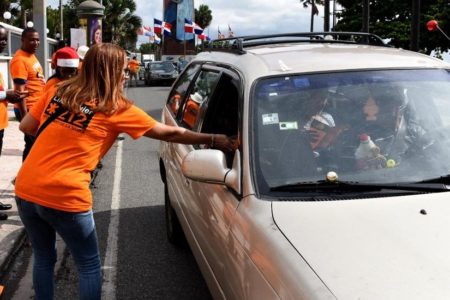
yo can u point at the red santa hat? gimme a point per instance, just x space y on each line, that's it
67 57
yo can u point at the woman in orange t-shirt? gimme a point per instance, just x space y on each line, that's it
87 113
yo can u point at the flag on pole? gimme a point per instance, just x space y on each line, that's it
219 34
204 37
188 26
197 29
230 32
157 26
154 39
167 29
148 31
144 30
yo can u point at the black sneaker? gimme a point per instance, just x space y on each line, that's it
5 206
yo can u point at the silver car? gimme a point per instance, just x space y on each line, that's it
339 188
160 72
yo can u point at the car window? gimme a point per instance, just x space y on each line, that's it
164 66
180 88
203 87
367 126
220 114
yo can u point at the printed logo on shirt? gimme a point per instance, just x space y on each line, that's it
76 121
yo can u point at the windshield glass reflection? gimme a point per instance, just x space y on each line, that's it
369 126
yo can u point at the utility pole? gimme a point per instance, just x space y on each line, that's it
334 14
415 25
61 28
326 23
312 16
366 16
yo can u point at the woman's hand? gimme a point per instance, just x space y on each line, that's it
224 143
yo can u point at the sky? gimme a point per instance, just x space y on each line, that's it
244 16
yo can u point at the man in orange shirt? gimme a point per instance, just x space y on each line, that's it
133 66
27 74
5 96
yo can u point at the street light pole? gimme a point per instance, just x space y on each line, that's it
366 16
415 25
326 23
61 28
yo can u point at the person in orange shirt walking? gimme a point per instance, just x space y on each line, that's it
27 74
5 96
75 125
133 67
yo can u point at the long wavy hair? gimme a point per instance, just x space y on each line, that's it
98 83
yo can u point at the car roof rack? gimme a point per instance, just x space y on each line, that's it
237 45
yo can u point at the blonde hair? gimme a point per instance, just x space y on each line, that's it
99 81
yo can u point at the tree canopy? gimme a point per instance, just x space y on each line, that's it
392 19
203 16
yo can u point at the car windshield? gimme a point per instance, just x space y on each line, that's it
166 67
368 126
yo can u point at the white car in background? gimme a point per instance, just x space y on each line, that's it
339 188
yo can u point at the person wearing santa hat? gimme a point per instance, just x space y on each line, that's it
67 61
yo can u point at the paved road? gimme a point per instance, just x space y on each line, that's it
138 261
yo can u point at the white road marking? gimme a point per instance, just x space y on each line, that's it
110 264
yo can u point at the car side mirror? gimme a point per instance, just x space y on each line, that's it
209 165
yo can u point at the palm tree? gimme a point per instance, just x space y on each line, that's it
121 24
314 10
203 16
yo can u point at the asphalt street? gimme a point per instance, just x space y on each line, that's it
139 263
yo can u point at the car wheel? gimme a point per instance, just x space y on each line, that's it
174 231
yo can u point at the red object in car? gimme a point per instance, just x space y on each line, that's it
432 25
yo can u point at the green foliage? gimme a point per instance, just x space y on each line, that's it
203 16
392 19
148 48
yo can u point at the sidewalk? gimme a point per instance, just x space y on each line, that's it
11 230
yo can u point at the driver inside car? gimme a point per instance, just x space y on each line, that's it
320 125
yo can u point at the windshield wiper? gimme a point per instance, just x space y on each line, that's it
323 185
441 179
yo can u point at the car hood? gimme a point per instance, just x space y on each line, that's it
385 248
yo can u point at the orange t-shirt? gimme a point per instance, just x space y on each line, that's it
56 173
133 65
26 68
52 82
3 107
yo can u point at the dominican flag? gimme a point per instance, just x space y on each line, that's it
197 29
155 39
204 37
147 31
230 32
188 26
167 29
157 26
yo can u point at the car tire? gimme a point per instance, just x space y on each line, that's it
174 231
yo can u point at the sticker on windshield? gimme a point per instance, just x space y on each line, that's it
268 119
288 125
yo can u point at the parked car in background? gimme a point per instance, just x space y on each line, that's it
339 188
161 72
